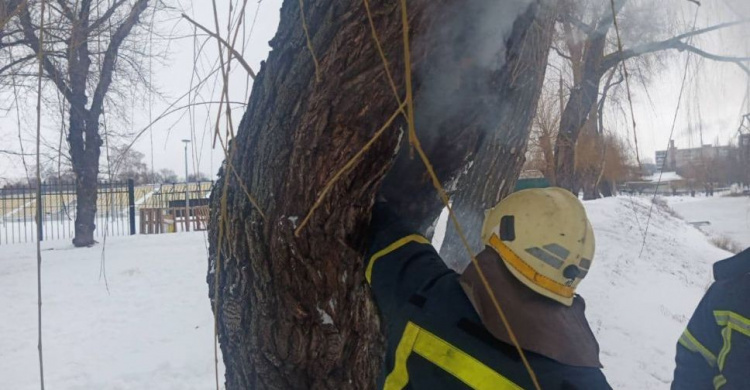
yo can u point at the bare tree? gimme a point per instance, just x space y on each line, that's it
88 48
591 45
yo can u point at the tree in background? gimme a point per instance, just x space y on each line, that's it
129 165
90 47
588 42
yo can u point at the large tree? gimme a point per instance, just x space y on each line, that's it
293 311
87 48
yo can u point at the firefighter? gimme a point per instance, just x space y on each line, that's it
714 350
442 330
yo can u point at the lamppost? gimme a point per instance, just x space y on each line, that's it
187 191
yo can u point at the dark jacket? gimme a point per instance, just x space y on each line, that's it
435 338
714 351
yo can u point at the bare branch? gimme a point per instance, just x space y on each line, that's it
16 62
52 72
12 153
110 56
615 58
226 44
107 14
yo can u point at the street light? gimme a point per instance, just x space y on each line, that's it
187 193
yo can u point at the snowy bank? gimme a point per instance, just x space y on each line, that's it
639 306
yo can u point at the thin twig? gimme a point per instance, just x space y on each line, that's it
226 44
671 134
40 57
309 42
627 83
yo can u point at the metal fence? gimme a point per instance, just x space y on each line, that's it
19 207
117 208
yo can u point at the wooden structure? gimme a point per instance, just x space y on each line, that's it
173 219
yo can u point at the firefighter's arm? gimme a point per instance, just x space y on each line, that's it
400 261
696 350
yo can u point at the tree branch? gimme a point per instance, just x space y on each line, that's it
110 56
33 41
615 58
561 54
735 60
66 10
16 62
12 153
226 44
107 14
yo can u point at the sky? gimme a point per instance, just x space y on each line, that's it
714 94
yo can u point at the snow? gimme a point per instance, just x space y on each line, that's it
639 305
153 330
729 216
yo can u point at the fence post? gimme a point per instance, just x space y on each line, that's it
131 205
39 213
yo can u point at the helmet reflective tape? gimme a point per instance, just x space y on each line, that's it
529 273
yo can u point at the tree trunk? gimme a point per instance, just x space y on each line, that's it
85 148
582 100
494 166
294 312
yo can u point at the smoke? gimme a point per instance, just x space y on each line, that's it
465 46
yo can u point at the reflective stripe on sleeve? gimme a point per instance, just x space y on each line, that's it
692 344
390 248
451 359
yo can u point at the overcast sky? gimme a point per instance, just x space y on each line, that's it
715 94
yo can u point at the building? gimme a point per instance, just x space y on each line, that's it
682 159
661 157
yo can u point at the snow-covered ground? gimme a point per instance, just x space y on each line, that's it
639 305
153 330
729 216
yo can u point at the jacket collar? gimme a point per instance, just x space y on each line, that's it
734 266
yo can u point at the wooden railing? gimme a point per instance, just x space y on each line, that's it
173 219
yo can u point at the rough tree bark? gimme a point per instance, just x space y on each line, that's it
498 157
83 137
294 312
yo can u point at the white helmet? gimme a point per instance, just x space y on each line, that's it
544 238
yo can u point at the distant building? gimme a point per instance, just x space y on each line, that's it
676 159
661 158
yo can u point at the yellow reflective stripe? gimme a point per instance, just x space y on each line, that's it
534 277
731 321
719 381
738 322
390 248
399 377
726 335
439 352
463 366
692 344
